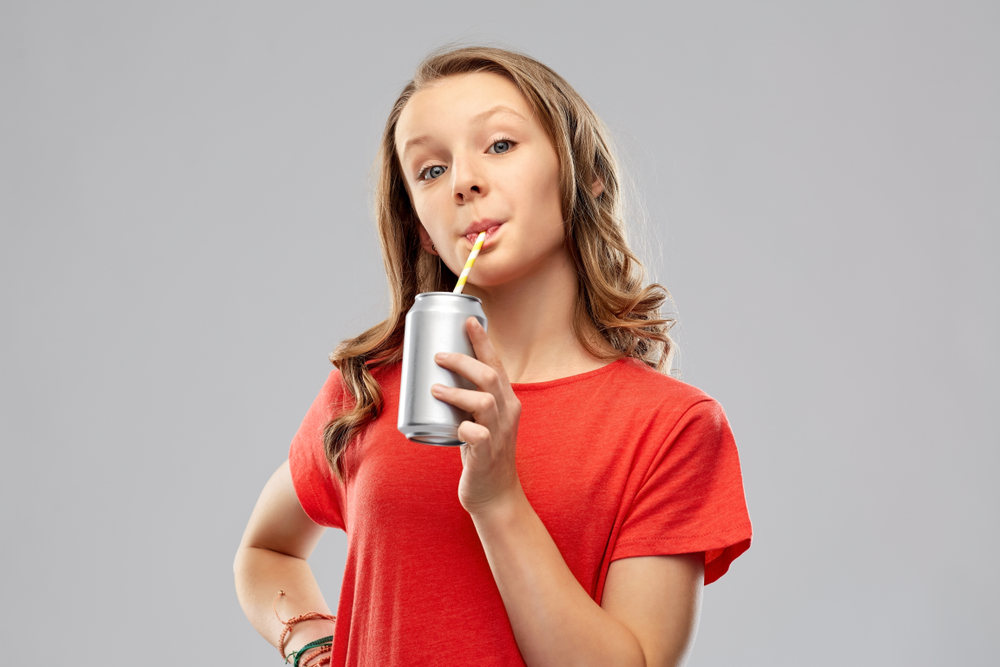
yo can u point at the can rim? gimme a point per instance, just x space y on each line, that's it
451 294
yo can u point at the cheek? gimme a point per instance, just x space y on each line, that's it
428 210
545 193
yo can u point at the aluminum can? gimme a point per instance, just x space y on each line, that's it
435 323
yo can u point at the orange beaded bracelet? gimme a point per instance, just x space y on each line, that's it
310 616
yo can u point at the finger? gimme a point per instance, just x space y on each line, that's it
481 405
483 346
485 377
473 433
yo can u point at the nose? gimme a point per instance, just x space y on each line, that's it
467 182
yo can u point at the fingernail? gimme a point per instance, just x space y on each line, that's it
435 389
440 356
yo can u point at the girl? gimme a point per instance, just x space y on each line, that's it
595 496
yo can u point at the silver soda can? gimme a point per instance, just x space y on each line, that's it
435 323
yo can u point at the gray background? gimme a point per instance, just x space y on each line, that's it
184 197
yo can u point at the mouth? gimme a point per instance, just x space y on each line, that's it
490 233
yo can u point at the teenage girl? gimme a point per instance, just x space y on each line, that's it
596 494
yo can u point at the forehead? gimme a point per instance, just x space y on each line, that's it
452 102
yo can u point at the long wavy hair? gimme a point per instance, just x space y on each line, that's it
612 294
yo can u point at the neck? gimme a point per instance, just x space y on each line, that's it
531 323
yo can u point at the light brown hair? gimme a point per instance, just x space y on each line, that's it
611 291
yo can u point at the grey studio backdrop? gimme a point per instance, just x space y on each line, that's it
184 198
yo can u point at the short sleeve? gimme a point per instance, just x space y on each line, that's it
691 499
320 493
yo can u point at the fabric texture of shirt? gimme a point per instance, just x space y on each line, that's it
617 462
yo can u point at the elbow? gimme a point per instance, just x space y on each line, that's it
239 561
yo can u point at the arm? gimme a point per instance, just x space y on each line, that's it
650 604
272 557
648 616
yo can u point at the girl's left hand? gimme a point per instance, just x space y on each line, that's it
489 474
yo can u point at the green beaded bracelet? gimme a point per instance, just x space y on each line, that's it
322 641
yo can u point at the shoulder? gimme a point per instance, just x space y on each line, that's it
387 374
388 378
334 392
642 384
337 386
341 392
669 408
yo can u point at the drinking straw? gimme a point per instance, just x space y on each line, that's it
468 264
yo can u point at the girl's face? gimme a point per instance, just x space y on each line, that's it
475 158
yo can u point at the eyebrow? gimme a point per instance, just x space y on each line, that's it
478 119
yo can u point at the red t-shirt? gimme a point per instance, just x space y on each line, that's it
617 462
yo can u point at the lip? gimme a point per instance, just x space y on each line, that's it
481 226
491 227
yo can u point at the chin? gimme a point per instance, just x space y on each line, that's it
490 279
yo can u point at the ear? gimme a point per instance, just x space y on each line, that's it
597 188
425 239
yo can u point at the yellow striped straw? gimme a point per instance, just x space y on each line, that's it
468 264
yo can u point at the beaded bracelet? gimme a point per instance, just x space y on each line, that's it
321 646
312 615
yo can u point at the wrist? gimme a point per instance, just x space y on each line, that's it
306 631
318 653
501 509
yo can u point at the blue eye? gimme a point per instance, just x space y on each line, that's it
498 147
432 172
502 146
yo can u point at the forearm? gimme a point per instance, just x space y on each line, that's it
260 574
555 621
